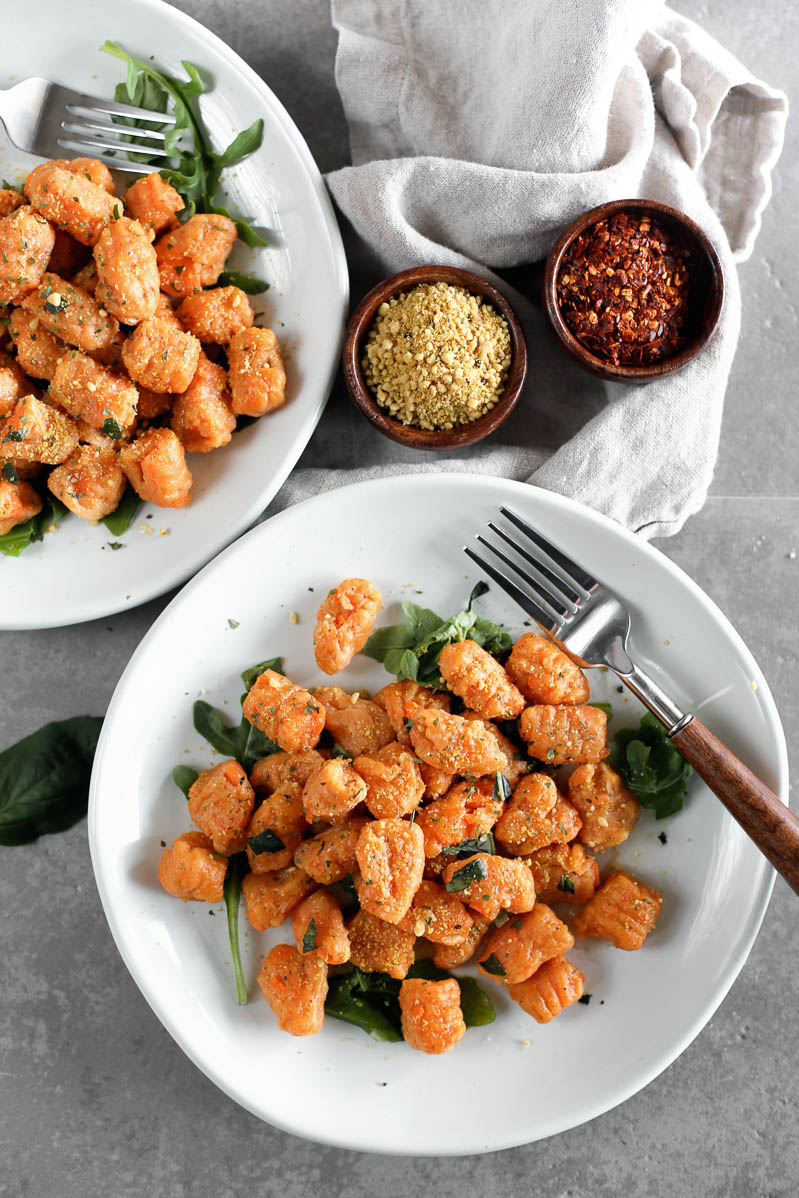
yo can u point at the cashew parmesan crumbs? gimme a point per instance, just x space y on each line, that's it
437 356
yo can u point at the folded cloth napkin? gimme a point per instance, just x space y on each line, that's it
478 131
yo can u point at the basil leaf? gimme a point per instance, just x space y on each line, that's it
472 871
606 707
477 1007
502 791
184 777
121 518
309 939
9 473
396 638
494 966
337 751
112 429
44 779
237 867
651 765
566 884
252 745
251 675
346 1000
21 536
265 842
212 726
246 283
467 848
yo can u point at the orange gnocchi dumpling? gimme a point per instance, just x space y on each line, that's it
515 951
285 712
478 678
155 465
394 785
623 911
467 812
295 986
160 356
26 243
256 372
544 674
90 482
390 854
216 316
71 201
271 898
529 805
432 1020
564 735
36 432
564 873
18 503
333 791
380 947
318 927
343 623
127 271
276 830
489 884
552 988
71 314
154 203
87 391
450 956
609 811
38 350
202 416
330 855
191 869
279 769
192 255
399 701
454 744
220 803
357 724
437 915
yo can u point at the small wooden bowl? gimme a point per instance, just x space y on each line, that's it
711 280
366 402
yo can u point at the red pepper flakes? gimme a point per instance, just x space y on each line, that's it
625 289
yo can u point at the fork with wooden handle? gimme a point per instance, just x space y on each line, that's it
592 626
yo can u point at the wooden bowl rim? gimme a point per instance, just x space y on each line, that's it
405 434
633 374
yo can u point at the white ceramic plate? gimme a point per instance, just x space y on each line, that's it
73 575
511 1082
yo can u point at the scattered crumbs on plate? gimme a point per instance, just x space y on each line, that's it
792 555
382 1083
663 838
145 528
619 690
163 844
525 1043
163 532
310 588
115 545
667 642
585 999
233 623
753 685
293 618
149 516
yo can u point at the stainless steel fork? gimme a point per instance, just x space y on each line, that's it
592 626
45 118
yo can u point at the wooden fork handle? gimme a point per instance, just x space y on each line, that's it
764 817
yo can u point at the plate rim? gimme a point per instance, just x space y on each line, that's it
755 918
306 430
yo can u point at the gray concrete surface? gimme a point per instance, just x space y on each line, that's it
96 1101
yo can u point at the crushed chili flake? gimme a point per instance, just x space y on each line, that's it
627 290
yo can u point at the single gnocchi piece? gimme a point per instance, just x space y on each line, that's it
450 956
609 811
437 915
90 482
515 951
160 356
333 791
26 243
564 873
380 947
394 785
401 699
193 255
530 804
256 374
478 678
489 884
87 391
432 1020
295 986
89 168
467 812
151 405
271 898
128 285
359 725
285 712
38 350
318 928
37 432
552 988
343 623
330 855
18 503
155 465
276 830
13 383
282 769
565 735
390 854
191 869
220 803
436 782
10 200
454 744
623 911
203 416
216 316
71 201
515 764
154 203
544 674
71 314
558 826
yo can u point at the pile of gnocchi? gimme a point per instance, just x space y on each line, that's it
456 835
121 355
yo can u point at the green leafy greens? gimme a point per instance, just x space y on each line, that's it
411 650
472 871
44 779
16 539
197 172
651 766
243 742
121 518
237 867
184 777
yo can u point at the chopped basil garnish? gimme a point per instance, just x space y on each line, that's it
309 939
494 966
467 848
265 842
566 884
502 790
472 871
112 429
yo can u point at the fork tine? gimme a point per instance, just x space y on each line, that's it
547 621
123 147
542 594
575 575
117 162
93 128
94 105
560 588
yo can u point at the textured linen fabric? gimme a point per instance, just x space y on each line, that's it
478 131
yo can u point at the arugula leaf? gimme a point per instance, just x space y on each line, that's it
121 518
250 676
467 848
411 650
309 939
44 779
184 777
265 842
651 765
472 871
16 539
237 867
247 283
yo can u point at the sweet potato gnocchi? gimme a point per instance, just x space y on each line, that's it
411 834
